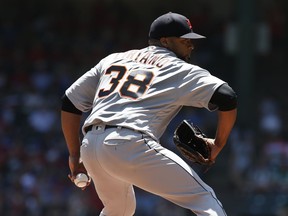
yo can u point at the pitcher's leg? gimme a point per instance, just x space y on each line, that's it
119 201
168 176
117 196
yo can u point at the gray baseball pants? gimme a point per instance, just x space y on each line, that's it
118 158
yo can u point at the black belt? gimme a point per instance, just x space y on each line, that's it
89 128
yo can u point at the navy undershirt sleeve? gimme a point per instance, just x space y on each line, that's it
224 98
68 106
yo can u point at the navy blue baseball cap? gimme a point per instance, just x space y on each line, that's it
172 25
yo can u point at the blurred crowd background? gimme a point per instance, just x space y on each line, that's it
45 45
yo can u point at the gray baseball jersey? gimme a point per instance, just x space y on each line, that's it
141 89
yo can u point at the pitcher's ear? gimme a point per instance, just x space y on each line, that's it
164 42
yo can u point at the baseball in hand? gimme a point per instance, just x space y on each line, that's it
81 180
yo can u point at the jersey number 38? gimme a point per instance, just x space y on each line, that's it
132 85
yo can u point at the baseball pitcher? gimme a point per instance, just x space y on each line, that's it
132 96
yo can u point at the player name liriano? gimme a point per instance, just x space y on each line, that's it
146 58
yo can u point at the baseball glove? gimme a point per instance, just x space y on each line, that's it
191 143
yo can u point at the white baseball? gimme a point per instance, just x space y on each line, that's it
81 180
